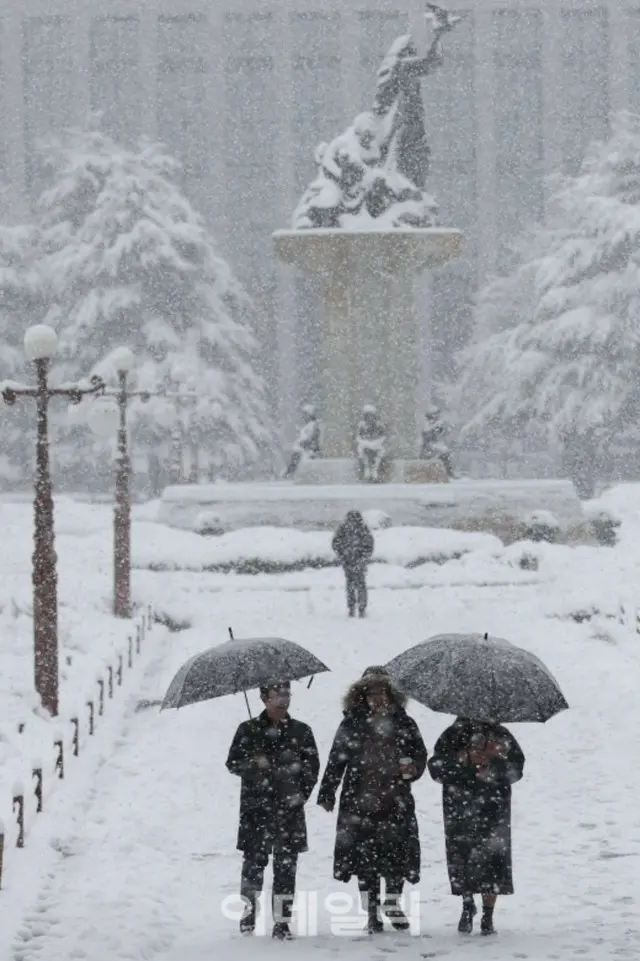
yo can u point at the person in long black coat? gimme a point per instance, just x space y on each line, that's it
476 763
277 759
353 545
377 753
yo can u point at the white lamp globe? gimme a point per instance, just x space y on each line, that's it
104 417
40 342
123 360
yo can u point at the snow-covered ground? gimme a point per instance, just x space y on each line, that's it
100 658
144 869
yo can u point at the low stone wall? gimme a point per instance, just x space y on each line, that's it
497 507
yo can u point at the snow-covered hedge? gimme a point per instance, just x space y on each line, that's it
278 550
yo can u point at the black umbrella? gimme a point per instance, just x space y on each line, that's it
480 677
238 666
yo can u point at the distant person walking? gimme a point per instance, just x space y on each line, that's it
277 758
353 545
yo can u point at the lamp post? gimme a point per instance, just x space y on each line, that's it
40 344
107 419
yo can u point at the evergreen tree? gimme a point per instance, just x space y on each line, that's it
572 361
21 304
127 260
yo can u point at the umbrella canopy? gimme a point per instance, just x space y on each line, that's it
240 665
480 677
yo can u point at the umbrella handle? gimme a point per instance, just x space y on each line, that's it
310 681
246 701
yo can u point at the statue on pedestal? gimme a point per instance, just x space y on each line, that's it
308 442
374 174
433 445
371 445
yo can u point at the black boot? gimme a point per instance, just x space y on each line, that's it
248 919
397 917
281 931
281 906
370 896
486 921
469 911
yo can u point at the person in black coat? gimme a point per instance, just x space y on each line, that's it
476 763
277 759
377 753
353 545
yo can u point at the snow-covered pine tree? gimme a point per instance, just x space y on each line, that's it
574 362
127 260
21 305
479 397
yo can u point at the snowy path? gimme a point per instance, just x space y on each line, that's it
145 875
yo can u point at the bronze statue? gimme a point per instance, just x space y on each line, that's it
376 170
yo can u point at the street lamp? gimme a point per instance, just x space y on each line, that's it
106 418
40 345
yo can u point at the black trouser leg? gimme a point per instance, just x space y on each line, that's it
285 866
394 887
351 582
361 589
370 894
251 881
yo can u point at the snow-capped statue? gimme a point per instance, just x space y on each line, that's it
371 444
433 445
375 172
308 442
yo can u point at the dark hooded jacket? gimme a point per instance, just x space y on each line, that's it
353 542
477 811
377 830
272 800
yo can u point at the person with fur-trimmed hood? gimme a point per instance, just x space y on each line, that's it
377 753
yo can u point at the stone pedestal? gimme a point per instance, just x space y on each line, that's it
344 471
370 337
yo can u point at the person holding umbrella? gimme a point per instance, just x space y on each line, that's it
477 762
277 759
377 754
486 682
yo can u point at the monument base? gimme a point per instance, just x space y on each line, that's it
370 340
344 470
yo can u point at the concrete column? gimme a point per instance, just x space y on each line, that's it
216 108
350 72
14 197
551 92
81 56
485 93
371 342
618 56
149 71
286 308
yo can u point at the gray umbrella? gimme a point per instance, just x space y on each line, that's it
238 666
476 676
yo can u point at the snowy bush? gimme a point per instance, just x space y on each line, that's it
377 520
541 526
208 524
604 525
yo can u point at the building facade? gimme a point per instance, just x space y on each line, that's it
241 91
